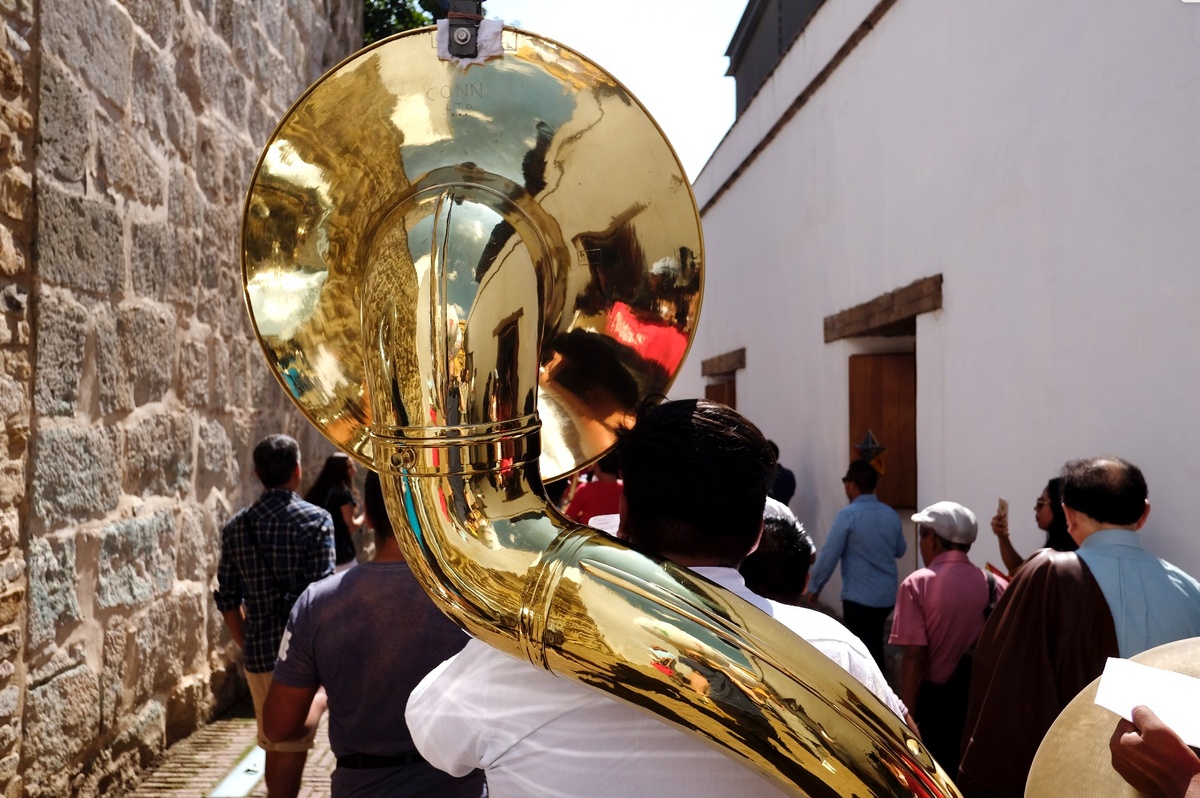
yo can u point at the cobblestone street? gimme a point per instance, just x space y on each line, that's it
197 765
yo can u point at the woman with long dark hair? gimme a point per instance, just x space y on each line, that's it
1050 518
334 490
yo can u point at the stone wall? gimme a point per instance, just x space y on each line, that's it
131 386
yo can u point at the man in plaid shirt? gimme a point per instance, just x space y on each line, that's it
270 552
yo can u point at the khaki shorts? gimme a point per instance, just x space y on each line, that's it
260 683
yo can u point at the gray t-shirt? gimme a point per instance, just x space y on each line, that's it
369 635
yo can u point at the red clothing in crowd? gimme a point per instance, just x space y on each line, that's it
599 497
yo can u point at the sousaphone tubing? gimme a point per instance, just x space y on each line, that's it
468 279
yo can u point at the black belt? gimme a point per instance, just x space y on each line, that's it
365 761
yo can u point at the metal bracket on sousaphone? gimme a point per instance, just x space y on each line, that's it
467 280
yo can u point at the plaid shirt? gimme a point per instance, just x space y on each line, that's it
295 547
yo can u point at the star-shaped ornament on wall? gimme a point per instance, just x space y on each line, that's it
871 450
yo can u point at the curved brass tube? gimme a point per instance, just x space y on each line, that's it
521 577
466 280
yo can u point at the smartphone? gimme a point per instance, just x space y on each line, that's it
1002 510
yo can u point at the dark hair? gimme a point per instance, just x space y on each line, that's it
696 477
778 568
774 448
1106 489
556 489
1057 536
863 475
375 507
275 459
610 463
335 473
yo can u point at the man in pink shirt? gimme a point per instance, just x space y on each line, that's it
940 611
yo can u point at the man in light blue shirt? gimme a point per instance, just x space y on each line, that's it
866 539
1152 602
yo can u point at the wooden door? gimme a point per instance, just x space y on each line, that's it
724 391
883 400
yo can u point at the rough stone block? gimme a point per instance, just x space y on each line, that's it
12 257
11 642
220 374
181 126
9 734
20 9
114 700
8 767
16 190
61 659
154 104
188 257
189 707
235 97
194 377
197 549
95 37
52 597
64 120
10 604
213 146
153 260
79 242
223 19
62 334
12 398
215 454
261 123
137 560
62 719
170 643
11 569
222 231
186 206
158 455
10 697
155 17
124 167
144 741
14 300
116 392
75 474
147 336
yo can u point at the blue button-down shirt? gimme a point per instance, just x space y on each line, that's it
866 538
1152 602
294 547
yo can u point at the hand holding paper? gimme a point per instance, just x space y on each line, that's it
1174 697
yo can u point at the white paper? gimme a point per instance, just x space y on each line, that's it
1172 696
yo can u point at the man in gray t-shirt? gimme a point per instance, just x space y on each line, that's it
368 636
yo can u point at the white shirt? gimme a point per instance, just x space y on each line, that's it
537 734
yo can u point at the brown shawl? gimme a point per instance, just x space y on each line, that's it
1047 639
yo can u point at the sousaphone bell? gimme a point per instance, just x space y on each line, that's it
467 279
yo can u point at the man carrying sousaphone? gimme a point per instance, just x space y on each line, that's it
696 477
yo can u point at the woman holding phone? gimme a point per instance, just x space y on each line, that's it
1048 514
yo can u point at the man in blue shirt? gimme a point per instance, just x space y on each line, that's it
1152 602
866 539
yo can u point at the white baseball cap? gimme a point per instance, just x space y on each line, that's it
950 521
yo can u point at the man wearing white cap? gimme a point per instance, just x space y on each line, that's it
940 611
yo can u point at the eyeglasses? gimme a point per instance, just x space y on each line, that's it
1040 503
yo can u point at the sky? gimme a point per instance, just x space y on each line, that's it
669 53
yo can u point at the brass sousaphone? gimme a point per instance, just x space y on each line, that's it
467 279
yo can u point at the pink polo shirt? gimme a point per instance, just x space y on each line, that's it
941 606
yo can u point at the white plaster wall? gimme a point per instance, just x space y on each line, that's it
1043 157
